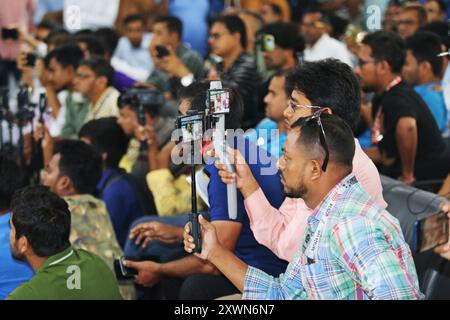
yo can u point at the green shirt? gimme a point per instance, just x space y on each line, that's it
72 274
77 110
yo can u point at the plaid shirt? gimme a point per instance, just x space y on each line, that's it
361 254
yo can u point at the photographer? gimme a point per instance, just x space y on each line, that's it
151 101
175 63
190 277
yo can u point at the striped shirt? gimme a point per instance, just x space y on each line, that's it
359 253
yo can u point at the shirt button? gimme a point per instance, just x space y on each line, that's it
308 237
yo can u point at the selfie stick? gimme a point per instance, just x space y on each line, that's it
220 146
195 225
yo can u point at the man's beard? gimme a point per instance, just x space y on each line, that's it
297 193
294 193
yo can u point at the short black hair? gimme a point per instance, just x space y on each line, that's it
93 45
134 17
173 24
285 34
43 218
129 98
81 163
328 83
11 178
439 28
109 38
196 93
234 24
68 55
338 135
58 38
388 46
100 67
51 25
425 46
106 137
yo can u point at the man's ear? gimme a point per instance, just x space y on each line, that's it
315 170
102 81
23 245
383 67
104 156
425 66
64 184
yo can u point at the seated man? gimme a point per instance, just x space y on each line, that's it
94 79
199 279
423 69
329 84
73 173
409 144
270 133
119 190
40 229
179 65
12 272
353 249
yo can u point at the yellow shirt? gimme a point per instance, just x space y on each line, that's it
172 195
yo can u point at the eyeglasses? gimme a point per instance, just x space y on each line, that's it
83 76
362 62
216 35
294 106
322 137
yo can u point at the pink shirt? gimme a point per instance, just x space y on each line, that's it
15 14
282 230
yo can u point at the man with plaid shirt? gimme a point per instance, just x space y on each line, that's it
352 249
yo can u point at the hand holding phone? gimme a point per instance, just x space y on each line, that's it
162 51
12 34
430 232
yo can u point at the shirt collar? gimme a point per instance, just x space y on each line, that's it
58 258
317 214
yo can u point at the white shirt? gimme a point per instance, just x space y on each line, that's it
135 57
328 47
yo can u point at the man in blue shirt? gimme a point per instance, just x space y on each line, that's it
12 272
116 188
133 48
270 133
423 70
199 280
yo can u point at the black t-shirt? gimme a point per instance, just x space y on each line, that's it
431 157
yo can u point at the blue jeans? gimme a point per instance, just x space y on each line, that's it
165 252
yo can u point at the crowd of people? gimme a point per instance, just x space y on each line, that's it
319 104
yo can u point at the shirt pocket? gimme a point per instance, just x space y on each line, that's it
324 279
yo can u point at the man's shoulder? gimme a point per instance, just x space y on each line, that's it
26 291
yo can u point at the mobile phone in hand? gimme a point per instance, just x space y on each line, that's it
430 232
162 51
12 34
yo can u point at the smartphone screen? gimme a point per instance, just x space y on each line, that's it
162 51
10 34
219 101
192 128
430 232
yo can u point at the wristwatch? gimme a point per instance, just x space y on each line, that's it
187 80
